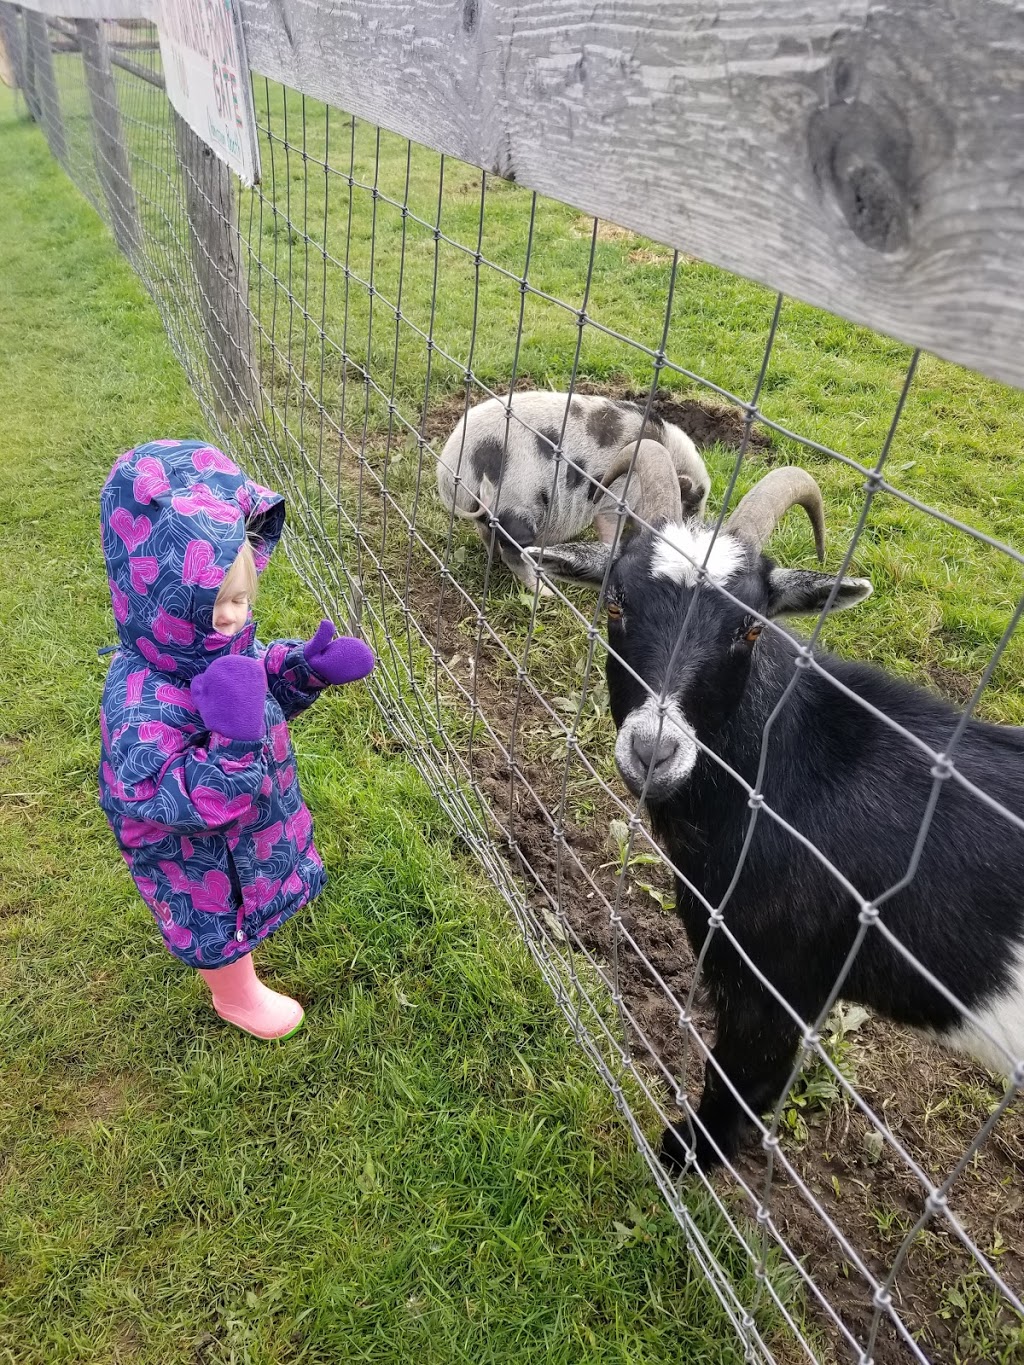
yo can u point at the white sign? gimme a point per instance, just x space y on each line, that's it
208 78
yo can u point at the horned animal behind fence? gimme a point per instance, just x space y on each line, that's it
546 467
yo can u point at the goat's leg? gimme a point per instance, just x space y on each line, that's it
757 1042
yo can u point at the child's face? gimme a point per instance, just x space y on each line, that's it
231 609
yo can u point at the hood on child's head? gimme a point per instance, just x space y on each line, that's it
173 516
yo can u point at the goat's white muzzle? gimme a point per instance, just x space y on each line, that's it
658 742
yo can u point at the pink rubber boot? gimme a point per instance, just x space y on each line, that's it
240 997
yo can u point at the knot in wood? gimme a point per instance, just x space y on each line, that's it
861 155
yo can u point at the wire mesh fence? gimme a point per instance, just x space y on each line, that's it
338 323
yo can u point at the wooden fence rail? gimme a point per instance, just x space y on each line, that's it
867 158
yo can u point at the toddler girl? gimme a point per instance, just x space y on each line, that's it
197 775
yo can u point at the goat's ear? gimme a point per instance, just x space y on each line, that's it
575 562
797 592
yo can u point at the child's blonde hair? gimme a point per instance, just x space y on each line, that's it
242 575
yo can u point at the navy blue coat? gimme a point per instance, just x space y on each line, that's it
215 830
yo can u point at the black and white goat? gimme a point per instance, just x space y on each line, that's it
854 788
502 469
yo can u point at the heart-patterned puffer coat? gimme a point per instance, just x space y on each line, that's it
215 830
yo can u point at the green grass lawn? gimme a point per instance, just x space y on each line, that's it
429 1171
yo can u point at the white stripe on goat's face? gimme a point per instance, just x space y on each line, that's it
655 739
676 638
680 550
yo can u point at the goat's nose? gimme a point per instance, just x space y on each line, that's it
652 750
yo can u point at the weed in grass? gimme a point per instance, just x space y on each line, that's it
817 1088
984 1331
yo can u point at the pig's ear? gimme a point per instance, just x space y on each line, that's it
486 496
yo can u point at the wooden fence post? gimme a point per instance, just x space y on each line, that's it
216 259
28 70
108 144
10 36
44 84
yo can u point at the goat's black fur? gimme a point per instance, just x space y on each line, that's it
856 789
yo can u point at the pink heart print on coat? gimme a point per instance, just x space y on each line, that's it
293 884
143 571
261 892
286 777
237 765
122 607
147 888
132 530
133 686
201 499
279 741
176 934
167 739
150 481
265 839
117 787
164 662
217 809
199 567
176 696
176 876
299 827
136 833
172 630
270 925
249 817
209 457
275 658
187 849
213 893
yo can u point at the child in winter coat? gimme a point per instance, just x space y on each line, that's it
197 775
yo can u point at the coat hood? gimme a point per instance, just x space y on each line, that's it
173 515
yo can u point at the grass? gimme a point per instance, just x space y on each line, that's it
429 1170
439 1139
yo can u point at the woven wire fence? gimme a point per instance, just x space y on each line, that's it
336 324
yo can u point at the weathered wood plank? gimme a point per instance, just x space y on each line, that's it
108 144
220 282
92 9
44 84
864 157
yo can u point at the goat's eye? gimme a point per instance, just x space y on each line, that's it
751 630
614 611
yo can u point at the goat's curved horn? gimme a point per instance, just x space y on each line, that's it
759 512
653 487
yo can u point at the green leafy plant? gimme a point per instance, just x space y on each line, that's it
627 861
817 1089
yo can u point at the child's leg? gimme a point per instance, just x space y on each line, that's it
240 997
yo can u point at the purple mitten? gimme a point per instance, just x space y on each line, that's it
230 697
341 660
